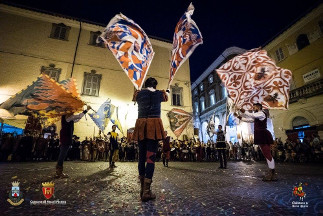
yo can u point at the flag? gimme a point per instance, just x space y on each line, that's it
130 46
115 119
178 120
106 113
253 77
102 116
46 97
70 85
186 38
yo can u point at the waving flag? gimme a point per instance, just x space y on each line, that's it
130 46
252 78
186 38
46 97
178 120
115 119
107 112
102 116
70 85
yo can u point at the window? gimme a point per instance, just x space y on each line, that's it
201 87
196 106
279 54
177 95
321 25
211 78
51 71
91 83
212 97
195 92
202 101
302 41
224 92
60 31
93 37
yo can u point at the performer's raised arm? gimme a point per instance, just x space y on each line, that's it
254 115
76 118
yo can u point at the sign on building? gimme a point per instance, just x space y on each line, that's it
312 75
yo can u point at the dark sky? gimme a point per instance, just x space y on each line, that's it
246 24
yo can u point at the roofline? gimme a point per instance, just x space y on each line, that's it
222 57
24 7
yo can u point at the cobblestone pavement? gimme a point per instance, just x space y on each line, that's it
182 189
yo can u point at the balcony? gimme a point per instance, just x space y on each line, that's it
306 91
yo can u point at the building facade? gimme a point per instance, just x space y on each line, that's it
209 96
300 49
34 42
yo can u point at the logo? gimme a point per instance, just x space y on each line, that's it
48 189
15 195
298 191
300 194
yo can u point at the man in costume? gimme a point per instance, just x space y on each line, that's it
148 131
262 136
166 150
114 146
66 139
221 147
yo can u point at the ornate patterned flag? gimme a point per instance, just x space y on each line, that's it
102 117
178 120
186 38
130 46
106 113
252 78
46 97
70 85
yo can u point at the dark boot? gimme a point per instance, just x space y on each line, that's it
270 176
221 160
224 161
147 194
142 180
59 172
166 162
113 165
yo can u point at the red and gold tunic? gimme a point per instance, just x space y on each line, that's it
149 124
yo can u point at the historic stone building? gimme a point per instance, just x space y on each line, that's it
209 96
299 48
34 42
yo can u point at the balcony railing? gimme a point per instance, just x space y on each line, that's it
306 91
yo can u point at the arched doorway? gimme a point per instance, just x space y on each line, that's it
299 121
301 129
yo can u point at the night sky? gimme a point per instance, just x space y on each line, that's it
246 24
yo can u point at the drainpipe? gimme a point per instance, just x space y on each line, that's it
77 45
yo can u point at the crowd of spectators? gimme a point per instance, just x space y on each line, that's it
33 147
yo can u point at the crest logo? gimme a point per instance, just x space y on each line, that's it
48 189
15 195
298 191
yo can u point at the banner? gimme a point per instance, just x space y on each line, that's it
186 38
130 46
178 120
252 78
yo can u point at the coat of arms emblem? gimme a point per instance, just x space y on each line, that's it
48 189
15 195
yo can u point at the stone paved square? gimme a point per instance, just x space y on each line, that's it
185 188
